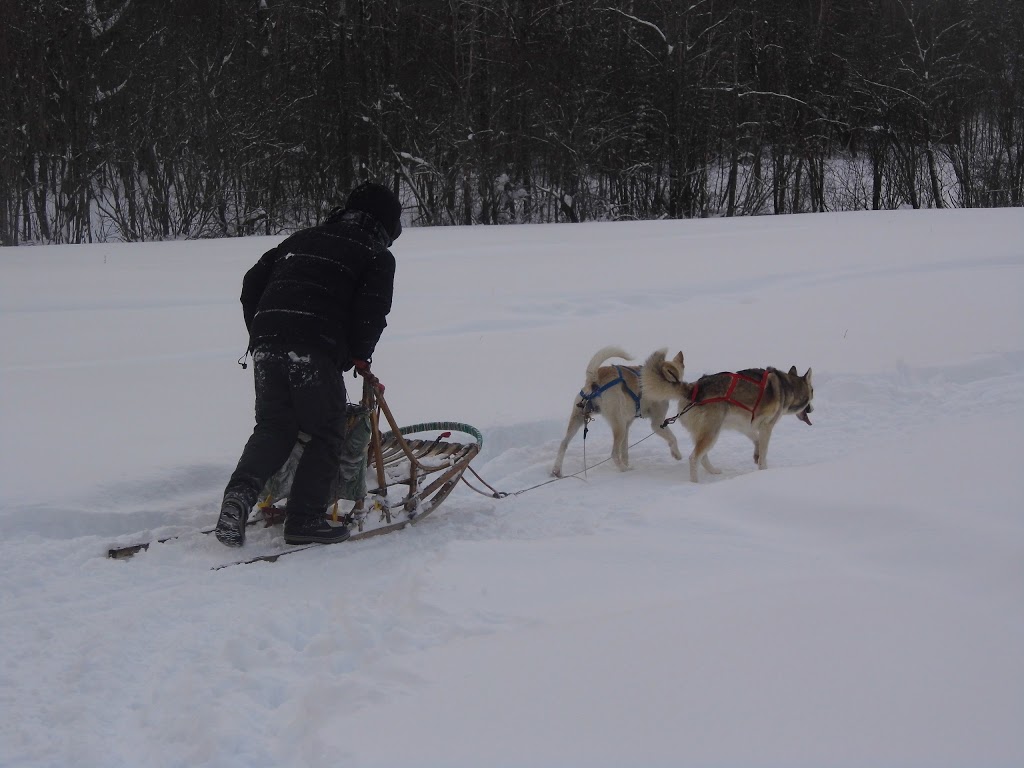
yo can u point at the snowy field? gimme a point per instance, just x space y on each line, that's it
860 603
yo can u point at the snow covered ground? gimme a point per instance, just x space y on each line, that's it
860 603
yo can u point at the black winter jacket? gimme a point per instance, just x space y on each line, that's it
329 287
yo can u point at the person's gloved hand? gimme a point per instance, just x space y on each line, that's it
362 368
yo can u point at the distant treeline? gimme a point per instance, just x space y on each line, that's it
139 120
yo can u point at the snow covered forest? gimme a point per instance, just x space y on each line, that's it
125 120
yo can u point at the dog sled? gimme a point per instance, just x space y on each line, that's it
422 462
425 461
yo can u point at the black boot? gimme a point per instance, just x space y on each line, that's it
313 529
234 513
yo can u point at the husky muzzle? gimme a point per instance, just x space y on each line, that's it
803 415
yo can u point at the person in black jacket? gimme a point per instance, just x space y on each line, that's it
314 306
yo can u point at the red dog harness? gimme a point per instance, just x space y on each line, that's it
728 398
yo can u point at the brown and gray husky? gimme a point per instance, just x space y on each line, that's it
750 401
622 393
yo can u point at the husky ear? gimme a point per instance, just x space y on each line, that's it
679 358
672 371
792 371
808 375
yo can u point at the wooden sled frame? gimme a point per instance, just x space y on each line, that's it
397 458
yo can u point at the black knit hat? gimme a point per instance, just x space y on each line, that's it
379 202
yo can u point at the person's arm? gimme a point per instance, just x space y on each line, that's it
255 282
371 306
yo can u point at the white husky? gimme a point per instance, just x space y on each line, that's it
622 393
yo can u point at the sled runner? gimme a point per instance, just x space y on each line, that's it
424 460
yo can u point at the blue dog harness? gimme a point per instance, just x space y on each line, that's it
588 397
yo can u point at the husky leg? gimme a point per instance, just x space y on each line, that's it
704 440
658 414
701 446
576 422
695 458
761 446
764 434
712 469
620 445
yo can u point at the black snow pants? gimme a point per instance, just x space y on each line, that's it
297 389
